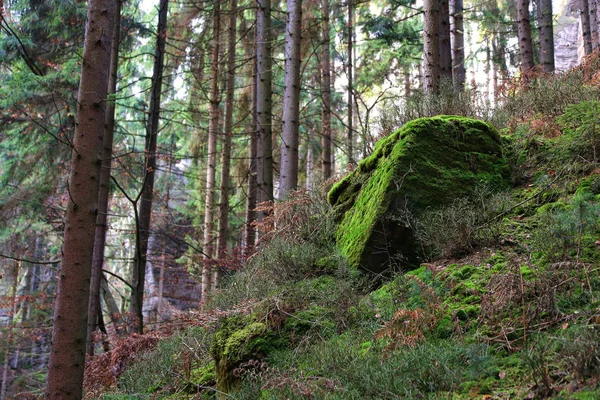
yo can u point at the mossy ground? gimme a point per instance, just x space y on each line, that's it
515 318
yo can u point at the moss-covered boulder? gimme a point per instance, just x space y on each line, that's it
426 164
239 339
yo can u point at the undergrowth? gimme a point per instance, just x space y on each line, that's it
506 307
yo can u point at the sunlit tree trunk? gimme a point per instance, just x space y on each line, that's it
67 357
291 100
104 187
350 101
223 231
147 197
213 132
310 162
524 30
264 144
326 93
431 46
459 75
546 35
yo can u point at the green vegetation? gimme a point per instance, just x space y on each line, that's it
504 305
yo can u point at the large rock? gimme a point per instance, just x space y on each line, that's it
426 164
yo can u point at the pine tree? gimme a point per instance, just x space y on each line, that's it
445 47
144 215
546 35
264 144
458 45
326 92
431 46
524 30
104 191
213 133
223 232
67 358
291 100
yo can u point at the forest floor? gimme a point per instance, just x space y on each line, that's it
507 307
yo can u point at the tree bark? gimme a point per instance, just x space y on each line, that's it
407 84
350 102
431 46
147 197
546 35
116 317
223 227
9 341
459 75
213 133
104 187
524 30
445 47
67 357
291 100
326 93
594 34
264 143
586 27
250 232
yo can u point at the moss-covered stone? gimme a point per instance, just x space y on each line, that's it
426 164
240 338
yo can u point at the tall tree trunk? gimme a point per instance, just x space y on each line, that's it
525 43
147 198
407 84
223 231
9 341
594 33
445 47
431 46
586 27
213 132
291 100
104 187
459 75
67 357
546 35
250 232
112 308
264 143
310 162
350 104
597 21
326 93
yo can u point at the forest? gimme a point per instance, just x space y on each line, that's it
261 199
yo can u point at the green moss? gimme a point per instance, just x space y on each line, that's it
316 319
204 376
239 338
527 272
464 273
444 328
425 164
384 301
423 273
552 207
591 184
